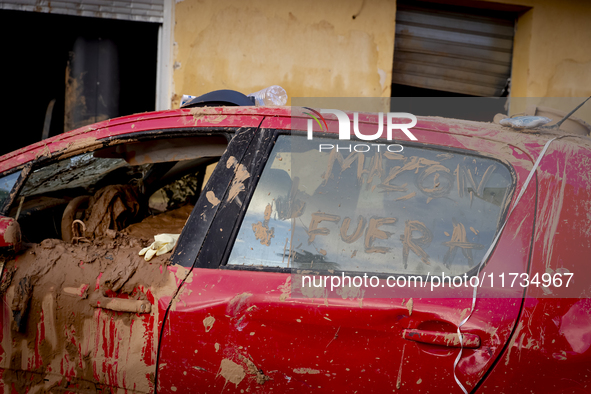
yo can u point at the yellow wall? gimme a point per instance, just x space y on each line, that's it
552 56
311 48
316 49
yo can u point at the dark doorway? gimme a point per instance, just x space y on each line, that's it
36 50
412 91
480 109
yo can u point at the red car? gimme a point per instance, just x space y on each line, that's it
248 300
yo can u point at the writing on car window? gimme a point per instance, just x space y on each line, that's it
410 212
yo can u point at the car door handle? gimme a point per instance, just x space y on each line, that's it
449 339
123 305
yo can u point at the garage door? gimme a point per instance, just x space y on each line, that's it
132 10
448 50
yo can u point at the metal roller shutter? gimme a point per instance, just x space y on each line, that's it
131 10
452 51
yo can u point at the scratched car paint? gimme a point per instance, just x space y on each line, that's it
222 314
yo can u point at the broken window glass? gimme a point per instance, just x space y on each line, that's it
78 171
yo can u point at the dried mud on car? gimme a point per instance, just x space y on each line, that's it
52 289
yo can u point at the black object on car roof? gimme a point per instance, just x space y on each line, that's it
221 98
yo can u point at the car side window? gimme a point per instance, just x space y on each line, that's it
138 188
413 211
6 184
182 190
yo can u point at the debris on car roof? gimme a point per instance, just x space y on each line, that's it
271 96
529 122
525 122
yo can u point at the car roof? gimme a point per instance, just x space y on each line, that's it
89 137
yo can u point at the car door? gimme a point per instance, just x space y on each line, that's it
251 315
82 315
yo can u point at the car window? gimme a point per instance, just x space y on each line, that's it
411 212
78 171
6 185
140 189
182 190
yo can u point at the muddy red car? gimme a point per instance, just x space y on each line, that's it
265 214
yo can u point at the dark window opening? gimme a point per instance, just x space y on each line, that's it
37 48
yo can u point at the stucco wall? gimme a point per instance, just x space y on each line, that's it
551 56
311 48
316 48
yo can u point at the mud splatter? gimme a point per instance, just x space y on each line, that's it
399 378
206 115
464 312
252 369
512 342
213 200
285 289
231 162
303 371
409 306
240 175
262 232
208 323
312 291
232 372
350 292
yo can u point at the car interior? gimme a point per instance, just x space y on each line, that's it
137 188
